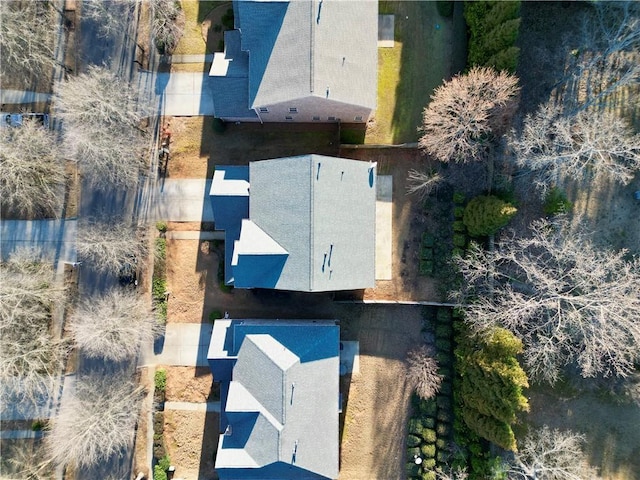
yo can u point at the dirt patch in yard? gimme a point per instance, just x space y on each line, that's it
376 408
190 384
191 441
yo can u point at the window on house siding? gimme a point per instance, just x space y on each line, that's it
316 119
293 109
264 110
358 118
331 119
288 118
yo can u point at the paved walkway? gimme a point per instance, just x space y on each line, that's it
185 344
178 94
384 228
208 58
197 407
185 200
22 96
54 240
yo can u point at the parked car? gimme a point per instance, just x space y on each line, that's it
17 119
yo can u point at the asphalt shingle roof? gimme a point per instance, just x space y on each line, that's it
282 401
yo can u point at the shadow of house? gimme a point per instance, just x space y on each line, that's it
279 398
302 61
302 223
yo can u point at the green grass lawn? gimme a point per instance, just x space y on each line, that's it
428 48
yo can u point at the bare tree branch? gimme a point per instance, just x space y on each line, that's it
567 300
31 358
96 421
114 326
110 16
27 38
102 117
587 145
109 246
465 112
547 454
32 174
422 371
422 183
166 28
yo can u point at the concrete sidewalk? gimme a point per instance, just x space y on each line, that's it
54 240
185 344
178 94
384 227
185 200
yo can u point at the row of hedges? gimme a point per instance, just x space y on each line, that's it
493 30
430 428
159 281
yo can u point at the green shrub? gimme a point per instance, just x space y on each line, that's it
445 387
428 422
415 426
444 371
428 240
443 401
443 358
218 125
428 407
428 475
444 416
458 226
443 456
443 315
444 330
215 315
459 240
441 444
38 425
443 430
160 379
413 441
426 267
427 253
458 198
485 215
443 344
161 226
159 473
428 464
161 249
429 435
411 452
165 463
457 252
227 19
556 202
412 470
428 450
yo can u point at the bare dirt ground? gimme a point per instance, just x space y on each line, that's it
377 399
191 439
189 384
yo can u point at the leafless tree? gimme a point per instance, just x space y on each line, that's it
27 38
547 454
114 325
569 301
110 16
422 371
452 474
32 174
606 57
25 461
422 183
31 357
587 145
166 27
465 112
96 421
107 247
102 127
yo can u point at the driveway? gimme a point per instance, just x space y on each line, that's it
184 200
183 344
179 94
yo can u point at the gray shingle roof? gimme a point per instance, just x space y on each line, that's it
321 210
282 402
300 49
